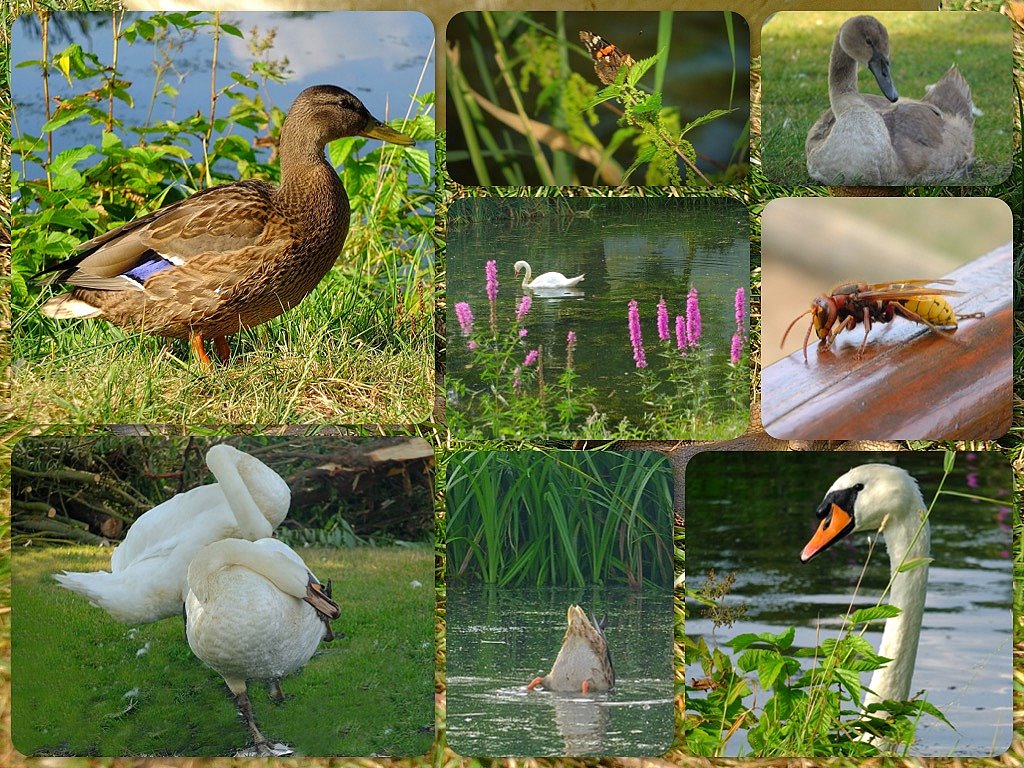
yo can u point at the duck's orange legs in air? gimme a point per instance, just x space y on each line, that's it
536 681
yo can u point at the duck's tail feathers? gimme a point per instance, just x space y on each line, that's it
952 95
67 307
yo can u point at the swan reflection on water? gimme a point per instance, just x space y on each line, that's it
557 293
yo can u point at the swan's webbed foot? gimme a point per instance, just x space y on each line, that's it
262 747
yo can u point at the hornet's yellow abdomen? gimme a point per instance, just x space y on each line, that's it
934 309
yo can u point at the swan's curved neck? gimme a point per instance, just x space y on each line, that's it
252 523
906 540
842 79
527 276
284 573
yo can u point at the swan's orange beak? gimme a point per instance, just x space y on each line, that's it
836 524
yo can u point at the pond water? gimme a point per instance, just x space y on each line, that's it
750 514
499 640
627 249
378 56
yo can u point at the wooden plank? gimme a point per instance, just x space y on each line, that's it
911 383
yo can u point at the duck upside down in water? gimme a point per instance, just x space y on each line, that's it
584 662
232 256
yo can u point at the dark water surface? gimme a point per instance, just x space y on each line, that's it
499 640
750 514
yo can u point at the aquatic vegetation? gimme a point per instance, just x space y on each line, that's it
512 385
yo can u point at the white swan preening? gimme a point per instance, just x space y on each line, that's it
254 611
885 498
147 577
867 139
546 280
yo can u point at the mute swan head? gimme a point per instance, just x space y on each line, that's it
885 498
870 497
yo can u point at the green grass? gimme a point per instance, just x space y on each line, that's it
81 687
795 51
345 354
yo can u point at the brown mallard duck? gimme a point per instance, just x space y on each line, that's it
583 663
232 256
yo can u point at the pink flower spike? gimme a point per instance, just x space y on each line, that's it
471 345
491 270
635 336
570 338
663 332
465 317
736 350
522 333
741 305
680 333
524 306
531 358
693 328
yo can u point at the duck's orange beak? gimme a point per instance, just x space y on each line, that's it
836 524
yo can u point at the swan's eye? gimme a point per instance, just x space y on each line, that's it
859 487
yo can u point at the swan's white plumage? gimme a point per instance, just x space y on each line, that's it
867 139
546 280
147 577
246 616
890 501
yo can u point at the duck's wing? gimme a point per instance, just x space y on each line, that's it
216 220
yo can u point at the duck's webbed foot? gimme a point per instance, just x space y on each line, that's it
534 683
585 687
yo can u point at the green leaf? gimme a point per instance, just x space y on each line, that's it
714 114
913 564
231 29
874 613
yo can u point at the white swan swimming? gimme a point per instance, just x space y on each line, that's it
254 610
546 280
867 139
881 497
147 577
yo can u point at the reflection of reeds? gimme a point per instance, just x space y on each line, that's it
559 518
544 132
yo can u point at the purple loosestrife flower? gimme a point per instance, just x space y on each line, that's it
741 315
531 358
663 332
465 317
736 350
491 270
635 337
570 345
522 333
681 333
692 319
524 306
